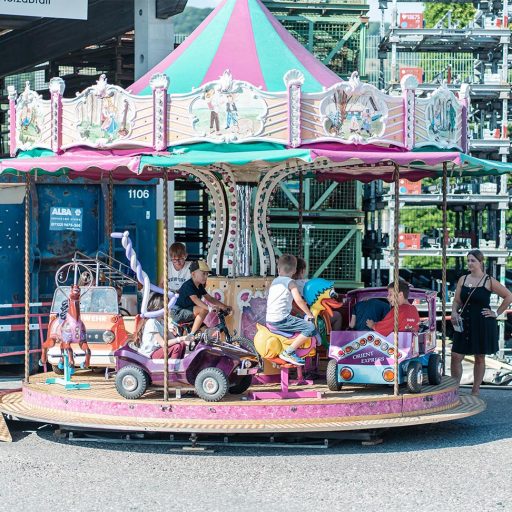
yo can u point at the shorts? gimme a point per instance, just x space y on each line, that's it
182 316
293 324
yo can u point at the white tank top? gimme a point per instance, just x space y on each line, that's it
279 301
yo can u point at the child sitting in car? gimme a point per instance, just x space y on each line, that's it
408 317
149 337
189 307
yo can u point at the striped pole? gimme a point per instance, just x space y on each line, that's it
165 257
27 277
443 266
396 270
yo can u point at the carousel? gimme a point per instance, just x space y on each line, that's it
241 106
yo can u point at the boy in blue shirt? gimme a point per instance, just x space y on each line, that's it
370 309
281 293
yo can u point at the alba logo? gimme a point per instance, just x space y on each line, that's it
66 211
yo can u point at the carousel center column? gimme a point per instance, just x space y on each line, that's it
242 289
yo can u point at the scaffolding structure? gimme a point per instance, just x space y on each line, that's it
477 210
334 31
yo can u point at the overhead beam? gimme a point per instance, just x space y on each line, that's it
167 8
49 39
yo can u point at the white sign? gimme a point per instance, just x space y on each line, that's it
72 9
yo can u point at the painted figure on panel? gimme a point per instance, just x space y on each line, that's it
441 116
29 117
353 115
103 119
228 110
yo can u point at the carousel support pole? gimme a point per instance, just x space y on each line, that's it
242 256
396 270
300 246
110 215
443 266
27 277
165 233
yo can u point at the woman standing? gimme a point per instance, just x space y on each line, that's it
474 321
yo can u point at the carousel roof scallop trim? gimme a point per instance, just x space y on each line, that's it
341 164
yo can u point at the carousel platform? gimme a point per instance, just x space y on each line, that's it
352 408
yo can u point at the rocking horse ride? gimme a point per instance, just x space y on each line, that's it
67 327
320 296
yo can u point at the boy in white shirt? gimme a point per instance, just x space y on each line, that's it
179 267
281 293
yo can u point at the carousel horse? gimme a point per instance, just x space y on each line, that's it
66 329
318 294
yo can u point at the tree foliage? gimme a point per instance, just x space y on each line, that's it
462 13
189 19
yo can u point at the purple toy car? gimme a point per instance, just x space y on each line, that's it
213 367
366 357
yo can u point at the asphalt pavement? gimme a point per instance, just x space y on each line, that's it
465 464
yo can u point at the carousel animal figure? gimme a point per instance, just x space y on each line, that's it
68 329
318 293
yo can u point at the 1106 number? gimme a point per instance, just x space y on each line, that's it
137 193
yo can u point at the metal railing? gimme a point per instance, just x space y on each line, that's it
40 324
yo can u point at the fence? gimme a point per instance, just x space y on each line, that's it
10 323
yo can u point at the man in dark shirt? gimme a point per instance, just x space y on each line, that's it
371 309
189 306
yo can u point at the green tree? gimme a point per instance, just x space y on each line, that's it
189 19
461 13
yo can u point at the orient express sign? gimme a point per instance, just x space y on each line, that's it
72 9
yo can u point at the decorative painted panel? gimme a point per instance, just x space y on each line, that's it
233 111
32 120
439 120
352 112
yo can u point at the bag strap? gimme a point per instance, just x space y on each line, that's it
469 296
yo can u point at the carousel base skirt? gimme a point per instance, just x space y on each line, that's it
320 410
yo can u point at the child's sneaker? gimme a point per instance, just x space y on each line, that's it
291 357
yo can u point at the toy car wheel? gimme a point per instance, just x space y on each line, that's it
211 384
414 377
242 383
435 369
332 376
131 382
57 370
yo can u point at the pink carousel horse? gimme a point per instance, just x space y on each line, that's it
68 328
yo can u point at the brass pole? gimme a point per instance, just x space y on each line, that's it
396 270
166 282
27 277
110 216
443 266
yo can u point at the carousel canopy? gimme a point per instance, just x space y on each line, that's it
327 162
244 37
